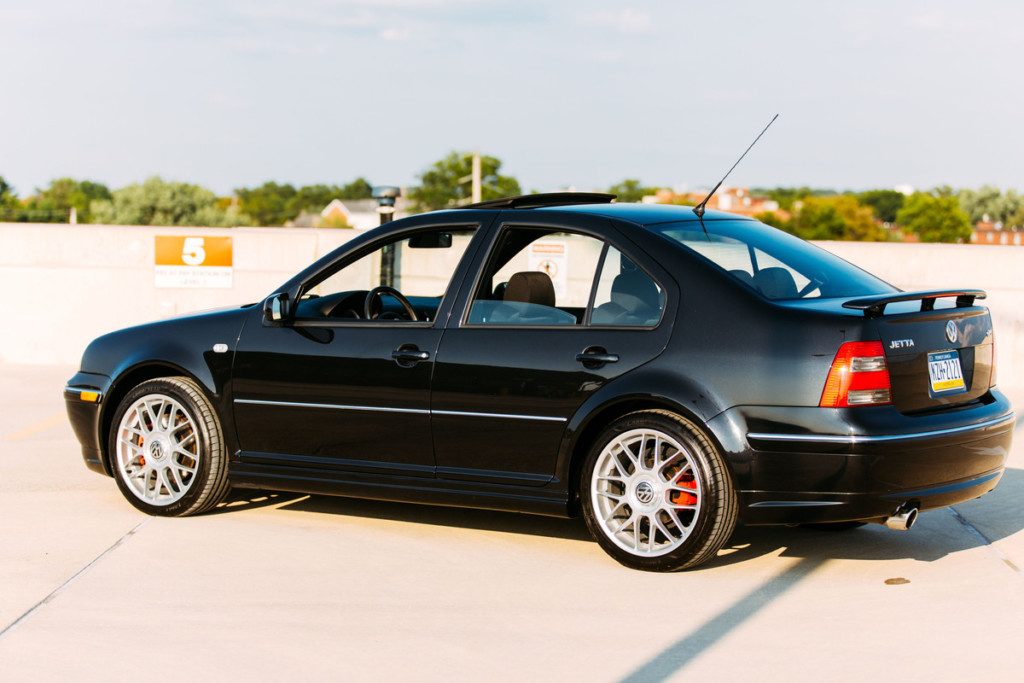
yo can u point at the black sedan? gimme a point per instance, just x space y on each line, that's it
660 372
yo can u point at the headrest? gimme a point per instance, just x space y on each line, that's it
634 291
531 287
776 283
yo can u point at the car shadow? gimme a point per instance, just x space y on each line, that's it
992 518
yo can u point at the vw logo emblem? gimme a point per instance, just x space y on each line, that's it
951 332
645 493
156 450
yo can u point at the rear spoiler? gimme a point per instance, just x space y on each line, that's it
874 306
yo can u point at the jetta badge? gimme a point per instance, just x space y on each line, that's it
951 332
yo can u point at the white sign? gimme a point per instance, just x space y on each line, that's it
193 262
552 258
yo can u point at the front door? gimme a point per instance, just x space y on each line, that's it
344 382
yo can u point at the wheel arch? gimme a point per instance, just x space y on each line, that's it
583 435
128 380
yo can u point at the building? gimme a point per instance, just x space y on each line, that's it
987 232
736 200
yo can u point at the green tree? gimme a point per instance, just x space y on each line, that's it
10 206
268 204
630 190
54 204
158 202
935 217
836 218
786 197
885 203
447 184
990 201
360 188
273 204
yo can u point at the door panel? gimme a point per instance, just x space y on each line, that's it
502 397
334 397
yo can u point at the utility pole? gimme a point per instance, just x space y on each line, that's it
477 189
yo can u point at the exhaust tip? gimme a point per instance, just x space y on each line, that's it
903 519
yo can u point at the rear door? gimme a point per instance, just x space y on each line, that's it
521 360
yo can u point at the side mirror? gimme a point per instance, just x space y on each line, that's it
275 308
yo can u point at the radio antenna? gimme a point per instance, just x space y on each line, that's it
699 209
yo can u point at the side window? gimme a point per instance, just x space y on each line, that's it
537 276
416 268
626 295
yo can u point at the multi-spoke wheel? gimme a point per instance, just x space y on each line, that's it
656 494
166 449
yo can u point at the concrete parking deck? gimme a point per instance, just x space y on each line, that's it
281 586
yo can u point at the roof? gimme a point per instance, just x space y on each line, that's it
601 204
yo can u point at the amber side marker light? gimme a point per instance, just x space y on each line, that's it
859 377
90 396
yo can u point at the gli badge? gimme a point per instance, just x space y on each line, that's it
951 332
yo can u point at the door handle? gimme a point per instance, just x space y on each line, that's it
409 354
595 355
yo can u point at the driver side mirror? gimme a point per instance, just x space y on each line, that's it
275 308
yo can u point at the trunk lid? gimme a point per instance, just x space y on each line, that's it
939 352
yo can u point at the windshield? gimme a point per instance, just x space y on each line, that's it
773 263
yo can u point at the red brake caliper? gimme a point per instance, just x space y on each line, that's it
687 481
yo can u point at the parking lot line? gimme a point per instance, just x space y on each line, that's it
34 429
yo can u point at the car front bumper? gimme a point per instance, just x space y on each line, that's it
84 398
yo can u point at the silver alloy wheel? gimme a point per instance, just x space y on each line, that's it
646 492
158 449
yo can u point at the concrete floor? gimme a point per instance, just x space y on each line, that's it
276 586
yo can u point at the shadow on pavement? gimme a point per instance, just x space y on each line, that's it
994 513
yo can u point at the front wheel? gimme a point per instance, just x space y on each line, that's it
167 449
656 494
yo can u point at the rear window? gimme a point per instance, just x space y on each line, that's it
773 263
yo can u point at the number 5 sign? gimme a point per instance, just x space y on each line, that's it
193 261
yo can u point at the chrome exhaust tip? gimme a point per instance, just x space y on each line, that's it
902 519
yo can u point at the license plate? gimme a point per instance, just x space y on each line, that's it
945 372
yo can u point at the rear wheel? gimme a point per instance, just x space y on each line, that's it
656 494
167 449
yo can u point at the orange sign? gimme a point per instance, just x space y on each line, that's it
172 250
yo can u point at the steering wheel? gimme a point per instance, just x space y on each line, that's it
377 292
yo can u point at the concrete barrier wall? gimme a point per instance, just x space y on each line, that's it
64 285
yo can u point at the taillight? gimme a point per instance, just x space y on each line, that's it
858 377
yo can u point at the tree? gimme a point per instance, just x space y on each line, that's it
158 202
447 182
10 206
630 190
885 203
935 217
267 204
360 188
54 204
989 201
273 204
786 197
836 218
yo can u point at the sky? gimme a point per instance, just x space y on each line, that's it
567 94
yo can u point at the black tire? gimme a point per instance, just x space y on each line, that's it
671 493
166 449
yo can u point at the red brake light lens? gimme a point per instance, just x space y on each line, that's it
859 377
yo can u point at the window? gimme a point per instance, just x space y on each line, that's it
418 267
777 265
545 277
626 295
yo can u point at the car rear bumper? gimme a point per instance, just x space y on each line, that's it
802 465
